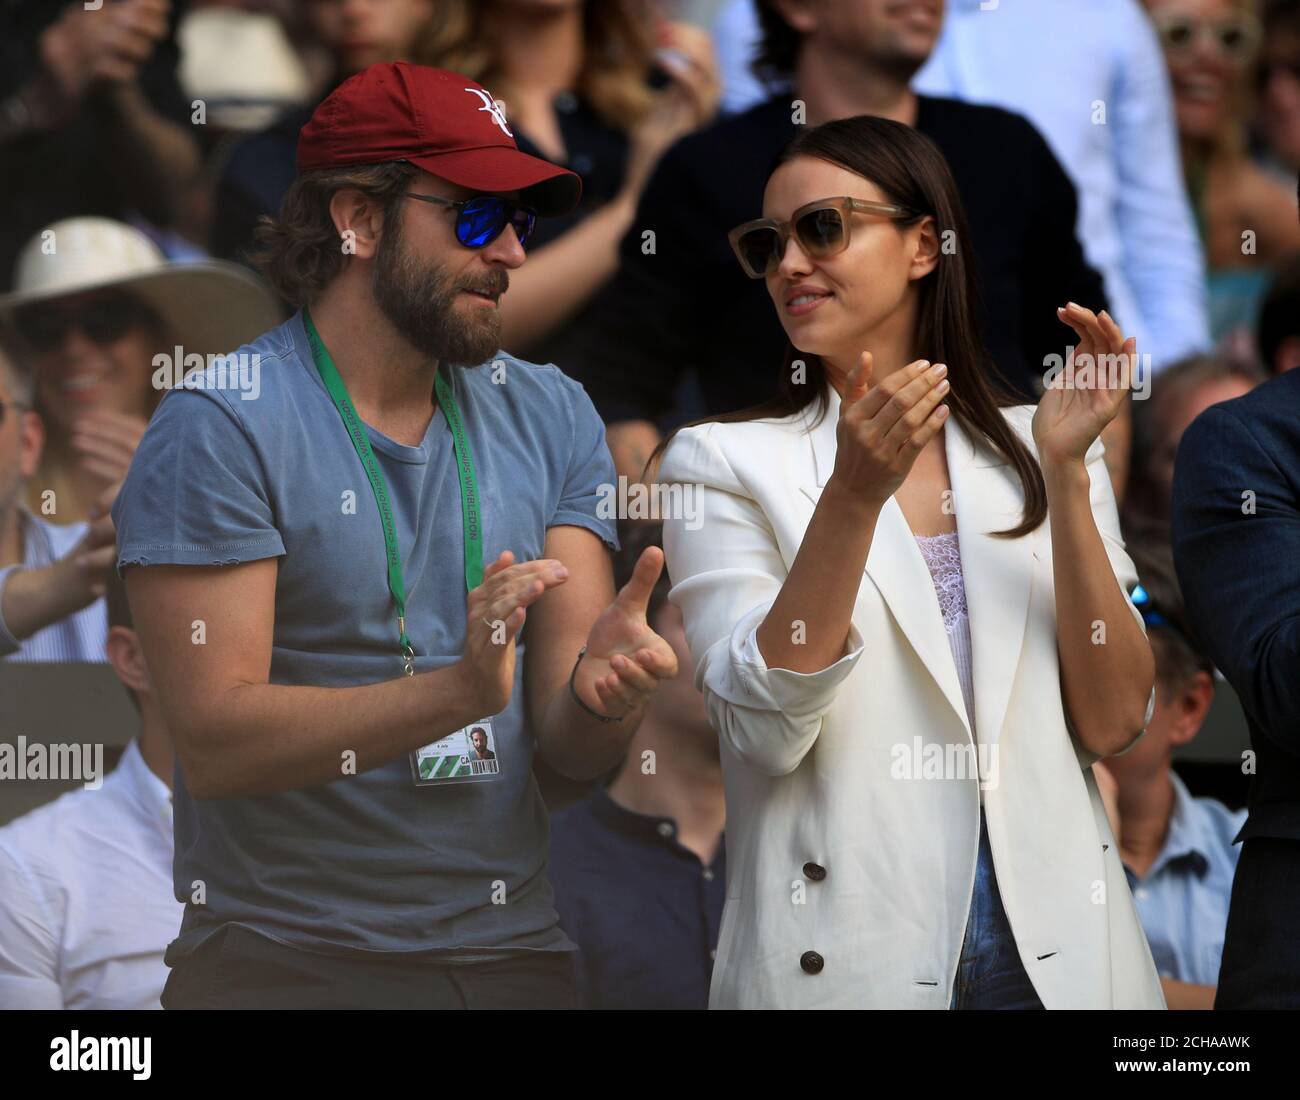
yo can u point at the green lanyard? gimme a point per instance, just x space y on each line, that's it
469 498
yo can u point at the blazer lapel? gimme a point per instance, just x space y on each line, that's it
997 571
898 571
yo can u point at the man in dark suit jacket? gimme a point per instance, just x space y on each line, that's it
1236 535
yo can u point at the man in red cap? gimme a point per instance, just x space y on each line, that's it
330 581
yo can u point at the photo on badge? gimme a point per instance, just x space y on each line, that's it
466 755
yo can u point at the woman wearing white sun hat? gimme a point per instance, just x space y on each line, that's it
94 303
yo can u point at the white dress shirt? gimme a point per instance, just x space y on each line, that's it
86 902
1092 78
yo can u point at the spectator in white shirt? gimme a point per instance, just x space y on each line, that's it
86 899
1062 64
51 576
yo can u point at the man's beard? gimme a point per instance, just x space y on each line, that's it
419 301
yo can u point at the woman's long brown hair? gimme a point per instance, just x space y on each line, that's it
908 167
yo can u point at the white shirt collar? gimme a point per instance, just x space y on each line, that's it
149 793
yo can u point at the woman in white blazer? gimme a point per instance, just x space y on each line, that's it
907 601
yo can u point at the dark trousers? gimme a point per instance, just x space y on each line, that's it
238 968
1261 950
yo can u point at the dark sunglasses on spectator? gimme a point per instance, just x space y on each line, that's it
1149 609
822 229
1157 618
1235 37
103 320
482 219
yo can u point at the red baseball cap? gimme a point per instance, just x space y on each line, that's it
440 121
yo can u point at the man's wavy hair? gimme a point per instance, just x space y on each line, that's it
301 252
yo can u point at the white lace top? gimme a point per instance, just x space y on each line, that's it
942 554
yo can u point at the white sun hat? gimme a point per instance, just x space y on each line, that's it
210 307
241 65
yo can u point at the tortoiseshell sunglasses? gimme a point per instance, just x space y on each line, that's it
821 227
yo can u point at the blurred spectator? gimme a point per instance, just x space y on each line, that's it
1236 539
1091 79
1247 219
576 80
681 303
1277 82
738 38
259 169
1277 334
86 905
269 79
232 101
91 118
1177 850
1184 391
51 577
638 868
96 305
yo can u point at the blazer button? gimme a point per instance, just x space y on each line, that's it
811 962
814 872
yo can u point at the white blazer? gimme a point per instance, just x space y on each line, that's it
834 854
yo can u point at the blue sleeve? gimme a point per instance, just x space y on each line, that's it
589 492
1163 261
196 492
1236 540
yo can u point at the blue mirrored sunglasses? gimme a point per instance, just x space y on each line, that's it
1150 611
482 219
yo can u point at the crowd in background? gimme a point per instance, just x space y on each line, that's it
1141 157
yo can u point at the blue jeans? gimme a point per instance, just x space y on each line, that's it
990 974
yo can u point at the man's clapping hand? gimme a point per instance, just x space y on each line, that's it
625 659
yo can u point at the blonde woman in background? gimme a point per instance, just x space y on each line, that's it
1247 219
93 317
575 79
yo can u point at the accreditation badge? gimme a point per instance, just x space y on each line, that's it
468 755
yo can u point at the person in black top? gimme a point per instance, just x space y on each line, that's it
582 85
259 169
639 866
92 119
680 303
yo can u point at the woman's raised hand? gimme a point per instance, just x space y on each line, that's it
1077 404
883 427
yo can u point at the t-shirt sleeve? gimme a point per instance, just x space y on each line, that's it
196 492
588 492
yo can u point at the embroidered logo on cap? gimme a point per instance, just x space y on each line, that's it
493 108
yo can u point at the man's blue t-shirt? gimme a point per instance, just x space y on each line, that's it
369 862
